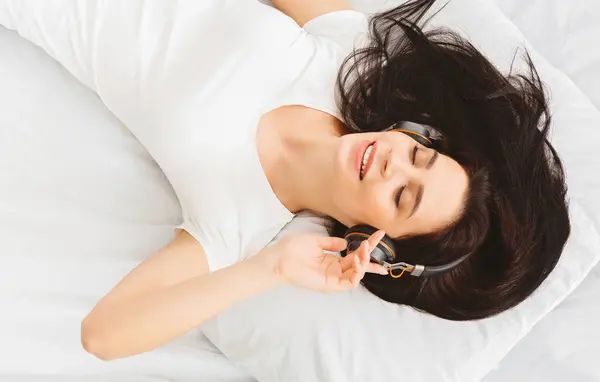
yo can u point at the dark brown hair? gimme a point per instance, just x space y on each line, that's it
515 221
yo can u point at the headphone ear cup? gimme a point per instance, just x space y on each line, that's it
388 247
355 236
385 250
380 254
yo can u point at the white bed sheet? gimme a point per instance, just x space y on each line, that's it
56 135
564 345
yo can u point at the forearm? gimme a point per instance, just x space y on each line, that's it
123 328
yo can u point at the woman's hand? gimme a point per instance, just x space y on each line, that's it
300 260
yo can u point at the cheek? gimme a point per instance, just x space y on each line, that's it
378 193
374 206
379 205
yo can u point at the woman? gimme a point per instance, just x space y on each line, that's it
246 147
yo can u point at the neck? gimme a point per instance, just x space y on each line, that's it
300 161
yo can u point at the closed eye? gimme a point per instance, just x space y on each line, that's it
413 156
399 195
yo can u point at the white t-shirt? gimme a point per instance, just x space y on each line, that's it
191 82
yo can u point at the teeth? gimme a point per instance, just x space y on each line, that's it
365 160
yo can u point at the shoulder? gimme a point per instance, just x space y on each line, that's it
316 60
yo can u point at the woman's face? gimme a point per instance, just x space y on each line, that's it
389 181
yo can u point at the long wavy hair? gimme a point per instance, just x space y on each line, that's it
515 222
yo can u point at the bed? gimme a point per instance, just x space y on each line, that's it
82 203
565 344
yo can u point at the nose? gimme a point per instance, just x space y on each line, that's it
393 165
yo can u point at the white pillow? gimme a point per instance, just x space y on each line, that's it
296 335
563 32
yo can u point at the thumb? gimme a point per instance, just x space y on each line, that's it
333 244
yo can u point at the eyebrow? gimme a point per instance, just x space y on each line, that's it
419 197
431 162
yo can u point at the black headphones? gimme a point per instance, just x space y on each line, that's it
385 252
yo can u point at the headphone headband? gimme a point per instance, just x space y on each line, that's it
424 134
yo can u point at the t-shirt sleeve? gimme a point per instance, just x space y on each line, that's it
221 247
328 40
341 28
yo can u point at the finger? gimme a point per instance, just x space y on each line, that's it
375 238
354 267
377 268
356 264
355 280
361 263
345 281
350 278
360 254
333 244
348 260
365 253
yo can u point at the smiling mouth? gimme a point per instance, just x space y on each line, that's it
366 161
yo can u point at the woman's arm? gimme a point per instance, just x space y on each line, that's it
166 296
172 292
304 10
